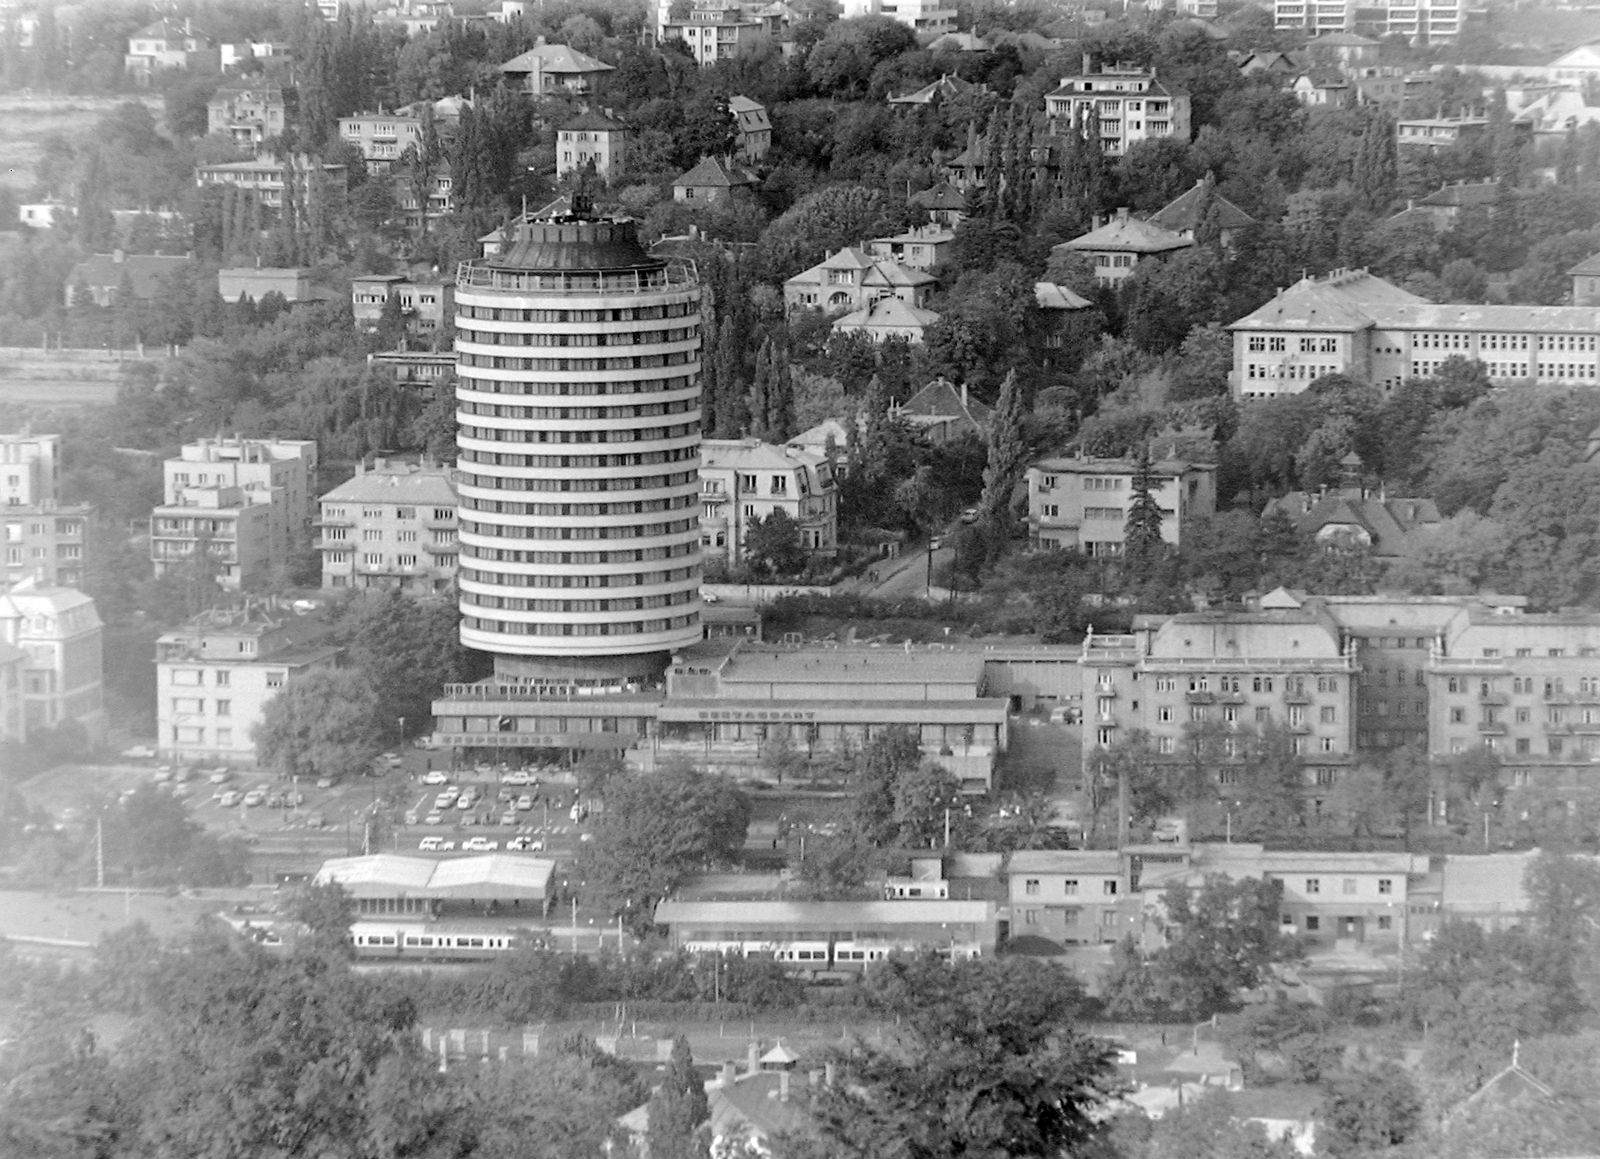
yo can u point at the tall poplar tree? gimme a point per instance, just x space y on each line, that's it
1007 450
1142 546
677 1109
1377 163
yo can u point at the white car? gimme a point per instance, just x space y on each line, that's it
218 777
435 777
447 798
509 819
466 803
254 797
163 775
429 844
517 777
434 818
524 802
526 844
480 845
447 846
139 752
229 799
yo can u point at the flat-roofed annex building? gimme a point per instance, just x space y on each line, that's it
1355 324
387 884
771 927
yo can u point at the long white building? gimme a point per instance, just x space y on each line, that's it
1358 325
579 463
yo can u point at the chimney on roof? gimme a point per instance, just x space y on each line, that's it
963 393
1086 64
783 1086
727 1075
1122 214
753 1059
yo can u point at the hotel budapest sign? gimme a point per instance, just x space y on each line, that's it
756 714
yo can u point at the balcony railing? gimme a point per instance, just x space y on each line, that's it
470 275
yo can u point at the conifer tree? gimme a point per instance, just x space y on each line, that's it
732 412
1007 450
780 397
677 1109
1142 545
760 399
1377 163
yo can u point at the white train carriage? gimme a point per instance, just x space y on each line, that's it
388 940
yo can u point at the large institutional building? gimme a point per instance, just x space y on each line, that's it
1355 324
578 461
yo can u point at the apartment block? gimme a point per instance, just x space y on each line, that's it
42 538
1355 324
268 178
392 526
1525 686
60 635
30 469
591 141
216 673
247 112
929 19
243 503
743 481
1319 17
424 304
1078 896
1119 106
1081 504
1282 663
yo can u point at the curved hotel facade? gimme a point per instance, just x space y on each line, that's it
578 412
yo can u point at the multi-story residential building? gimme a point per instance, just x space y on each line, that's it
1525 686
929 19
1078 896
268 178
752 129
1441 132
1321 17
427 196
946 205
391 527
1354 324
425 304
44 540
554 70
743 481
427 369
1395 91
13 720
922 247
591 142
46 543
556 496
1425 21
714 31
1081 504
1281 663
60 633
237 504
165 45
216 673
30 469
247 111
1118 107
383 137
1118 247
853 279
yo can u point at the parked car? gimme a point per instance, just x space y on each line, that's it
163 775
526 844
434 818
412 816
324 782
516 777
466 803
276 801
509 819
139 752
218 776
315 821
428 844
254 797
229 799
480 845
524 802
435 777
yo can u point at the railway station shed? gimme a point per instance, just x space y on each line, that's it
389 884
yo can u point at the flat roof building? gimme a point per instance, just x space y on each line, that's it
1081 504
390 884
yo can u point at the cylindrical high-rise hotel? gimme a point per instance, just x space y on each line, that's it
578 406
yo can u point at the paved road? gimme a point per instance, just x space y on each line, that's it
903 578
